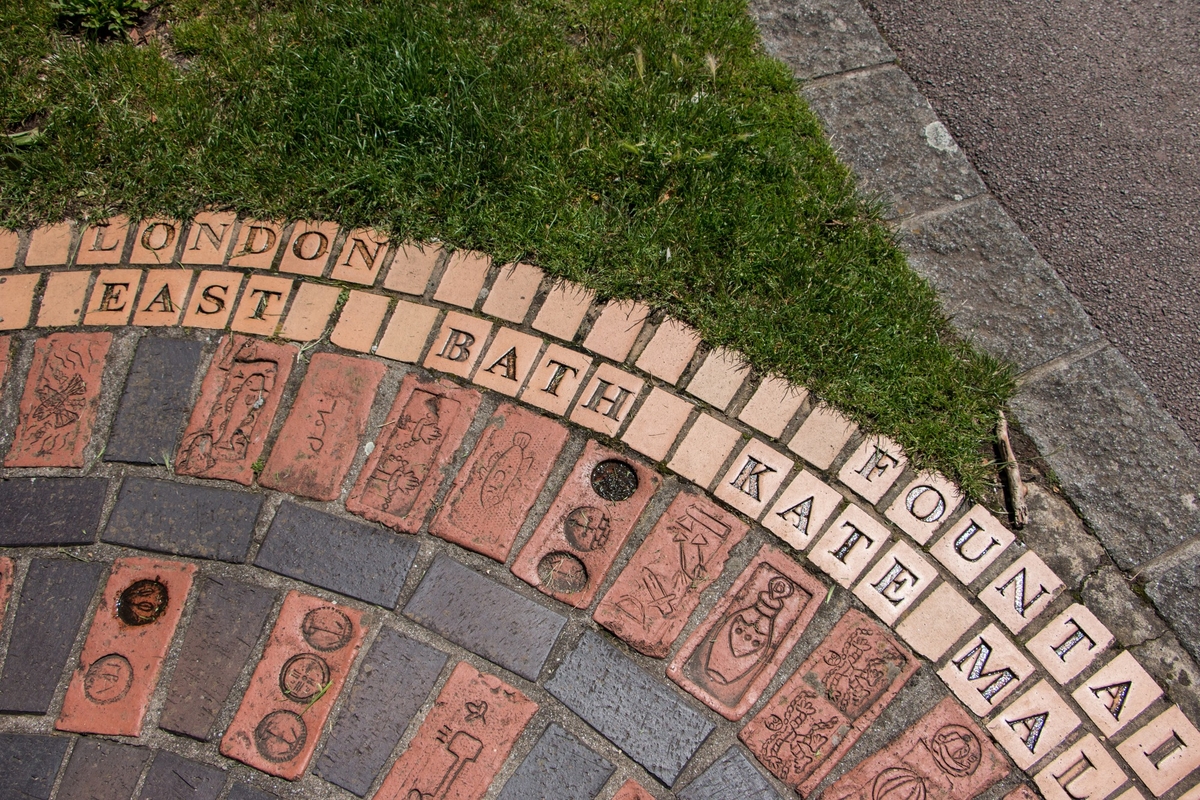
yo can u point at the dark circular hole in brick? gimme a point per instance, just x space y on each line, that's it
562 572
142 602
614 480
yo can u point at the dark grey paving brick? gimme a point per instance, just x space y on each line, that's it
1125 463
29 764
53 602
820 37
995 287
243 792
354 558
102 770
642 715
173 777
225 625
559 767
485 617
50 511
892 138
200 521
156 401
395 678
731 775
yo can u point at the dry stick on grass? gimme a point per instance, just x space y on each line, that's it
1011 472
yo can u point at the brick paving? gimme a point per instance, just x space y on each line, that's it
418 553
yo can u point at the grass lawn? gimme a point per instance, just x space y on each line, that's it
644 148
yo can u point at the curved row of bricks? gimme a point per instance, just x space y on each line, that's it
799 735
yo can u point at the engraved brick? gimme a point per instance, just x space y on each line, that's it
63 299
29 764
54 598
1117 693
896 581
50 511
361 257
938 622
123 655
556 379
1070 643
112 297
226 623
499 482
1022 591
360 321
163 297
50 245
730 658
395 678
485 617
466 270
16 300
412 453
586 526
873 468
657 424
238 399
316 446
463 741
972 544
563 310
335 553
802 510
209 238
822 436
753 478
211 303
703 450
632 790
986 670
7 566
731 775
559 766
294 686
822 710
638 713
1033 724
102 770
310 312
9 242
773 405
103 242
458 344
308 248
719 377
155 402
507 361
170 517
156 240
616 329
1163 752
923 505
651 600
256 244
943 756
412 267
261 308
58 408
669 351
512 293
607 399
849 544
173 777
407 332
1085 771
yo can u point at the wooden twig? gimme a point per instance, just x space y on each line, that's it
1011 472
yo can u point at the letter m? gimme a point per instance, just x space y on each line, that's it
1002 677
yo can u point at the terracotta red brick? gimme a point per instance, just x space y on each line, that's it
818 715
211 303
256 244
403 473
463 741
123 655
58 408
50 245
103 242
113 297
308 248
63 299
361 257
632 790
499 482
507 361
586 526
261 308
155 242
412 267
943 756
310 312
209 238
9 242
658 590
295 685
7 568
730 658
16 300
328 418
163 296
237 404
